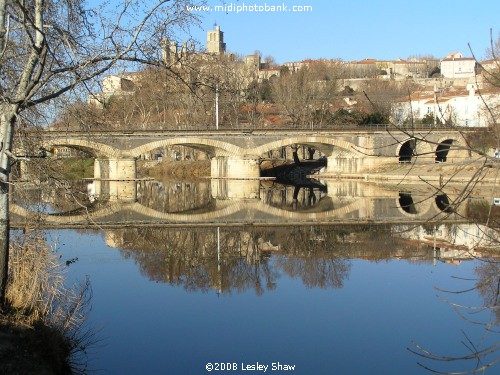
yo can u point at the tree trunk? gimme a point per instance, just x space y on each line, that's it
7 119
4 241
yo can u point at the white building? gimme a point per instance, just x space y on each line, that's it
455 65
460 107
461 241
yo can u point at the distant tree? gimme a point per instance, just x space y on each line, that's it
435 73
346 117
305 95
381 94
270 62
347 91
374 118
284 70
492 73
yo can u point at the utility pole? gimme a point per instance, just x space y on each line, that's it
435 105
217 106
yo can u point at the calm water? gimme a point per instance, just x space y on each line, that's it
324 299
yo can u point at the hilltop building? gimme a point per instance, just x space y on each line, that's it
215 41
449 88
455 65
179 56
372 68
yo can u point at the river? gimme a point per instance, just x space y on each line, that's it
339 277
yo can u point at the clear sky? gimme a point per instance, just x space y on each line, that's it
354 30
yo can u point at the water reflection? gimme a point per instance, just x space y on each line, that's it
176 196
264 202
237 260
250 258
277 250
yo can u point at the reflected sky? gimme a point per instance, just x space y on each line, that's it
364 326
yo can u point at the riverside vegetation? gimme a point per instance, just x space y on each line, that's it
41 324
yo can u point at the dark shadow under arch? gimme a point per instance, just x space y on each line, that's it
407 204
407 151
442 150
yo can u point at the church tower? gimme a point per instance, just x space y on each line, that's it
215 41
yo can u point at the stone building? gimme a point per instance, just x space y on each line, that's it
215 41
455 65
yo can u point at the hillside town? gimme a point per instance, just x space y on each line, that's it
174 206
452 90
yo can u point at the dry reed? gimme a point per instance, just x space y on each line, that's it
36 290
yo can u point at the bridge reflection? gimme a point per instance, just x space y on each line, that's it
183 234
194 203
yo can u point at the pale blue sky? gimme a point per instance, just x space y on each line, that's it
353 30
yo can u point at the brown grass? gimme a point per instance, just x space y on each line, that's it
42 305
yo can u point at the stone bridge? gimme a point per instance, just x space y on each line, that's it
237 154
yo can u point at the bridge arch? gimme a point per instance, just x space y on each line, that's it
323 144
442 150
410 205
406 150
212 147
443 203
98 150
449 149
228 208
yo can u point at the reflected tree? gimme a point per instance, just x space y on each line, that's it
480 354
191 259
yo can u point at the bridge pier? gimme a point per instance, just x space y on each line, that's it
115 169
235 189
235 178
114 179
234 167
113 190
97 168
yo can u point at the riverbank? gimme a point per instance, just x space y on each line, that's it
429 173
41 320
27 348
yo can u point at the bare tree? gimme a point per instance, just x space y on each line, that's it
305 94
48 49
480 354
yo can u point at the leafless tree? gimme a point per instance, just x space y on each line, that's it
480 356
307 93
49 49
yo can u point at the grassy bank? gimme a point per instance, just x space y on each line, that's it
77 168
